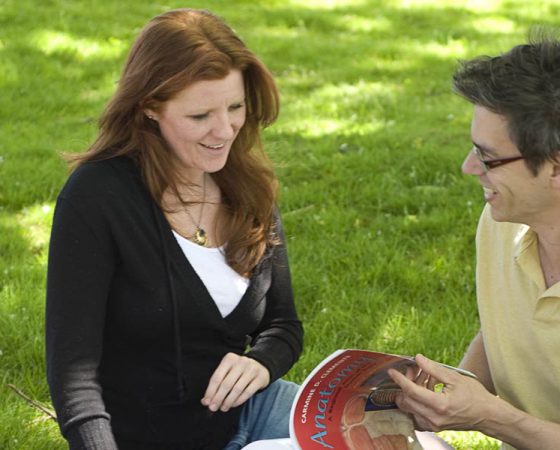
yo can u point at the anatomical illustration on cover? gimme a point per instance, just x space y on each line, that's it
348 403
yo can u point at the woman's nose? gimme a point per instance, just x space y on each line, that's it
223 127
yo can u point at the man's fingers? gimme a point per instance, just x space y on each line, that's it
419 393
419 411
422 378
434 370
417 400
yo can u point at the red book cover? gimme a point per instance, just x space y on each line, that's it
346 403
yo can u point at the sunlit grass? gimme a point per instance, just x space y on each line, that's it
379 220
475 5
355 23
452 49
497 24
35 222
324 4
468 441
50 42
344 109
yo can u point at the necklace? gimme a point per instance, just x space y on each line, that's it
200 237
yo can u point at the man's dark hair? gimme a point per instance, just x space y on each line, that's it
524 86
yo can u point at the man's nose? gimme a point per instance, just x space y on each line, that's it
472 165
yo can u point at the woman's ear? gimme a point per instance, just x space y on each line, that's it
151 114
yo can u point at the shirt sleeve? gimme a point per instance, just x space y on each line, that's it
279 340
80 267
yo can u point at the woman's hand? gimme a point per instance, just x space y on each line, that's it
234 381
462 404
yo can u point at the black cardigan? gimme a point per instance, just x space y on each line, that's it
132 334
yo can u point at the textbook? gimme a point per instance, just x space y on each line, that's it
347 403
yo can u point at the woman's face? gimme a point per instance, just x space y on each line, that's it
201 122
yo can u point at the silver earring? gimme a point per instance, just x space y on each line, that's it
150 117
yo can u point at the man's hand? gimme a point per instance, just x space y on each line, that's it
234 381
461 405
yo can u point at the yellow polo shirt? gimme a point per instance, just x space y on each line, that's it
520 318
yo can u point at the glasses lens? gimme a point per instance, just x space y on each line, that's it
480 160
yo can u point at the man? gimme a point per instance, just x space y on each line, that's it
516 355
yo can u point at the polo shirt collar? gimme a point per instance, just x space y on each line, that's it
526 254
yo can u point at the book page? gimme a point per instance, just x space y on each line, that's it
270 444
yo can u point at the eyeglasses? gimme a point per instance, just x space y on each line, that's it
488 164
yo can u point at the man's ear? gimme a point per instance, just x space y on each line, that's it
555 176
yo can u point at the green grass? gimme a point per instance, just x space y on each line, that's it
379 218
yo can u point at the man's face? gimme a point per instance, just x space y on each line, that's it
512 191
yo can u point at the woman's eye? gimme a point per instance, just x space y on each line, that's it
236 106
199 116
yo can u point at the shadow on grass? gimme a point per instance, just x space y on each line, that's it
22 275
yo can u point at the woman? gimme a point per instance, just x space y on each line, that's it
169 301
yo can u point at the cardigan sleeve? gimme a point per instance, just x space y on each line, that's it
81 263
278 341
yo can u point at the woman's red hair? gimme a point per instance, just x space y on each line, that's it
174 50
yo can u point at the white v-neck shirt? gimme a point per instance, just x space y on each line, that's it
225 285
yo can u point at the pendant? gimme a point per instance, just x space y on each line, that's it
200 237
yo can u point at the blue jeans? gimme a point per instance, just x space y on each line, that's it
266 415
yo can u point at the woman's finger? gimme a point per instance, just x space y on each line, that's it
254 378
222 380
235 380
241 390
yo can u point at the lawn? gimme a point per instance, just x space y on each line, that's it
380 221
